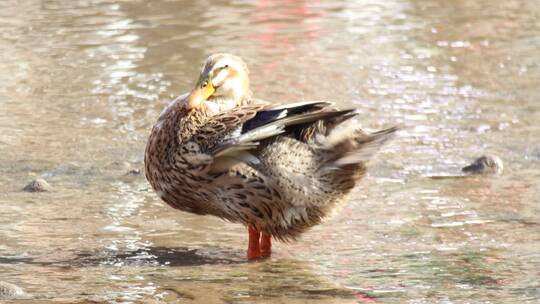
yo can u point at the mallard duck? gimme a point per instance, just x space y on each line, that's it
487 164
278 169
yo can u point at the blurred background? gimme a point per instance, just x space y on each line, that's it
81 83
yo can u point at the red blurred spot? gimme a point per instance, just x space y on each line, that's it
365 298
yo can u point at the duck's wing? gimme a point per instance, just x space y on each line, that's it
275 112
242 128
223 127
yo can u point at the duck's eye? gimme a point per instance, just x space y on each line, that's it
205 84
226 66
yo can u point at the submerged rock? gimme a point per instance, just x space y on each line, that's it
11 291
134 172
486 164
38 185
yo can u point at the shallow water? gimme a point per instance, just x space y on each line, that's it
81 83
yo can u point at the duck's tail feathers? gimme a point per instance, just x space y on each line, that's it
351 145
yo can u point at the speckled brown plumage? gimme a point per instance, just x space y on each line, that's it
280 169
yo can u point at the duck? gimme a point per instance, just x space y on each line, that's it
278 169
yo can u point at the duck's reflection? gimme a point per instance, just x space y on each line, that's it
159 256
220 274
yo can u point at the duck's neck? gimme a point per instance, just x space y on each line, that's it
217 104
179 123
175 120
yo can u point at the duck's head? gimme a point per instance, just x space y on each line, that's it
223 82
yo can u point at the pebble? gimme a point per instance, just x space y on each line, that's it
11 291
487 164
134 172
38 185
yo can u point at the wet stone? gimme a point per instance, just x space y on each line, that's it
487 164
38 185
134 172
11 291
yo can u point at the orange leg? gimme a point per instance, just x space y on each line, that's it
254 251
266 244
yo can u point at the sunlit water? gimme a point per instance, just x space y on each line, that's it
81 83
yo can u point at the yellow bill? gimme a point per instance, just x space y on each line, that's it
202 91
